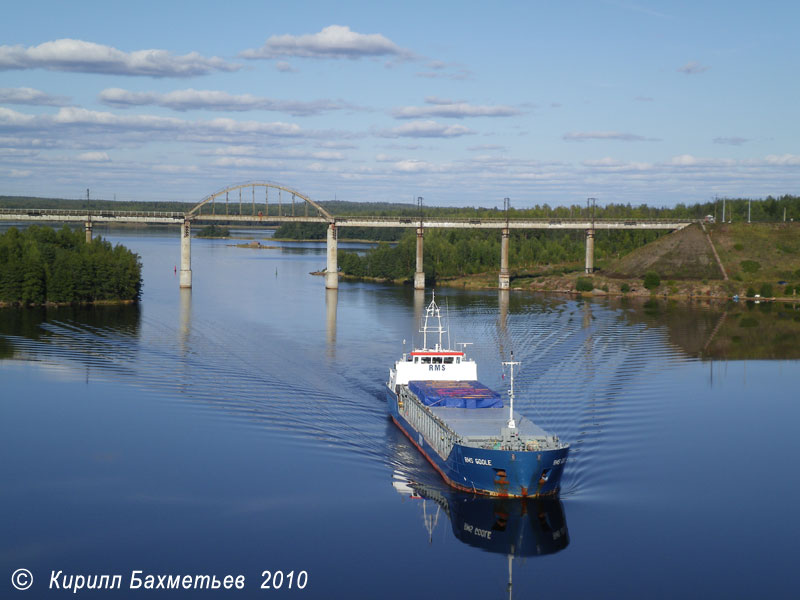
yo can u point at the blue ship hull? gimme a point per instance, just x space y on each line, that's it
522 474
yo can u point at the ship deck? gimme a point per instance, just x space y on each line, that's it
485 422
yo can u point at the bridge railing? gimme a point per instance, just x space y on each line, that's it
36 212
533 221
351 220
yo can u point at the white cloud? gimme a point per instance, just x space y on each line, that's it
26 95
784 160
337 145
326 155
611 164
94 157
693 68
414 166
334 41
439 107
581 136
232 126
233 151
191 99
25 142
12 118
428 129
85 117
88 57
684 160
92 128
20 173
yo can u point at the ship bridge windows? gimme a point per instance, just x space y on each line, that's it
426 360
437 360
448 360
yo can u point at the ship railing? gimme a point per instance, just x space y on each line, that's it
441 437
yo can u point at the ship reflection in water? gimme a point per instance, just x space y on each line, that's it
529 527
512 526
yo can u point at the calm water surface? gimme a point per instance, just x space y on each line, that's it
241 427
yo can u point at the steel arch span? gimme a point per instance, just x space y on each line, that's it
267 185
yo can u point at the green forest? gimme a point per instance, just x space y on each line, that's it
40 264
769 209
214 231
458 252
318 231
454 253
448 253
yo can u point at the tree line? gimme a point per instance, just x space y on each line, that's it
318 231
214 231
93 205
40 264
762 210
459 252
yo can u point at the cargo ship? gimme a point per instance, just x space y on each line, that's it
463 428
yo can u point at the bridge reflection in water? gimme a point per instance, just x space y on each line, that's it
331 305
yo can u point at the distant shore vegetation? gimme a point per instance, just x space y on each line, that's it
458 252
318 231
214 231
455 253
39 265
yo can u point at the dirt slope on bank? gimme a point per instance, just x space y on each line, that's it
683 254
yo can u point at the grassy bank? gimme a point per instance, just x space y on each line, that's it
758 258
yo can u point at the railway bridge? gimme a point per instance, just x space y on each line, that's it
272 203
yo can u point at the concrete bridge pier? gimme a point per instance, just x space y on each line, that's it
88 228
419 274
505 279
590 250
332 268
186 254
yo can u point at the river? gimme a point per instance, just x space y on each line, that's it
241 427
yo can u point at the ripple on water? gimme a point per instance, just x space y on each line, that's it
584 376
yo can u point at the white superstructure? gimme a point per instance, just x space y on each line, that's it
432 364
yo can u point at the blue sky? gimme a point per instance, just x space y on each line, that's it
463 103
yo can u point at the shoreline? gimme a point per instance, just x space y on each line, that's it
685 290
65 304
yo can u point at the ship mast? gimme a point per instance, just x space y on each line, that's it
432 312
511 424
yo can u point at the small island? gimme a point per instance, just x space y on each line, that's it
214 231
42 266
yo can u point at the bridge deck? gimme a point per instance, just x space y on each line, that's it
119 216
